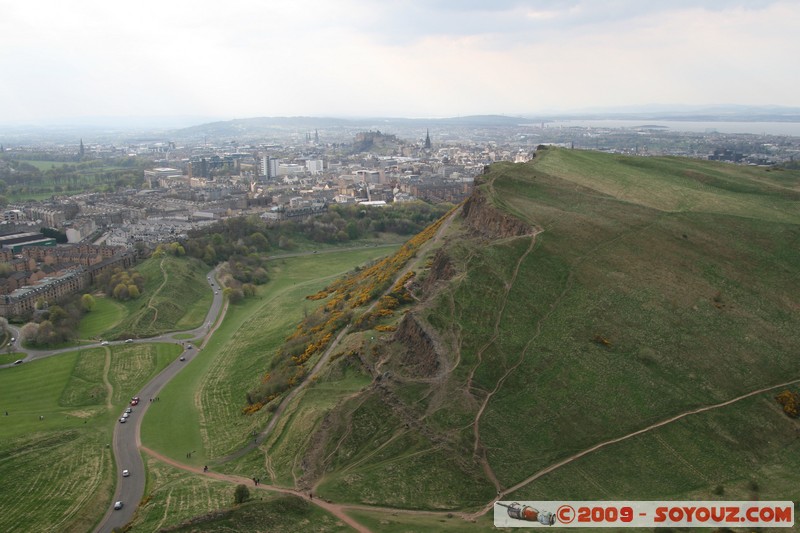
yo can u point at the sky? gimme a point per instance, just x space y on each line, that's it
60 61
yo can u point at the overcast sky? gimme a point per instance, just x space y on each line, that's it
402 58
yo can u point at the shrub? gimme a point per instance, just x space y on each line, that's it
241 494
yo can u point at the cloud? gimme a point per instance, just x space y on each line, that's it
415 57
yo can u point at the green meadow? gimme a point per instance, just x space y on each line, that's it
177 496
56 468
106 314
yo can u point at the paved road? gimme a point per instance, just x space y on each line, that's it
130 490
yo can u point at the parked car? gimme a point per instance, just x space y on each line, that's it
123 420
125 473
18 362
183 358
128 410
128 341
104 343
125 415
118 505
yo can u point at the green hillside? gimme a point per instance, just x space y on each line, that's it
575 300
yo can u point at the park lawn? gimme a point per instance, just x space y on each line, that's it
57 472
234 359
175 496
106 314
6 358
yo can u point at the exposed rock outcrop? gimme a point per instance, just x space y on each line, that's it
441 269
420 358
488 221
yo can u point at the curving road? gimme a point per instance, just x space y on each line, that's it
130 490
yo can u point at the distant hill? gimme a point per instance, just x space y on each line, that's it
576 300
264 126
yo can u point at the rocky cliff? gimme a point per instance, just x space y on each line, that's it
421 356
488 221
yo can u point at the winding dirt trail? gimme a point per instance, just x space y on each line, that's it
603 444
156 292
334 509
478 449
106 369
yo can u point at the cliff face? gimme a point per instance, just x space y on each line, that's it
442 269
421 358
487 221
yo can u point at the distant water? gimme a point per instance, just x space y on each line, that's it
757 128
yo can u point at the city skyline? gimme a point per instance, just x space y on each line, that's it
356 58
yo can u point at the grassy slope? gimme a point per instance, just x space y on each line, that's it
235 359
106 314
176 297
688 268
693 320
57 474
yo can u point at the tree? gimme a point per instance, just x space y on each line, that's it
121 291
133 291
46 333
234 295
241 494
87 302
29 332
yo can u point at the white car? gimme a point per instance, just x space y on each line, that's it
125 415
125 473
123 420
128 341
104 343
118 505
128 410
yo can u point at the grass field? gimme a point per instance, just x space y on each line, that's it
176 496
78 178
176 297
106 314
57 472
210 419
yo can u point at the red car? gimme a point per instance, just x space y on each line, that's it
135 400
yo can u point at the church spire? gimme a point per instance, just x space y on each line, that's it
427 140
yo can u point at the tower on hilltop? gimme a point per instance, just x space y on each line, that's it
427 140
